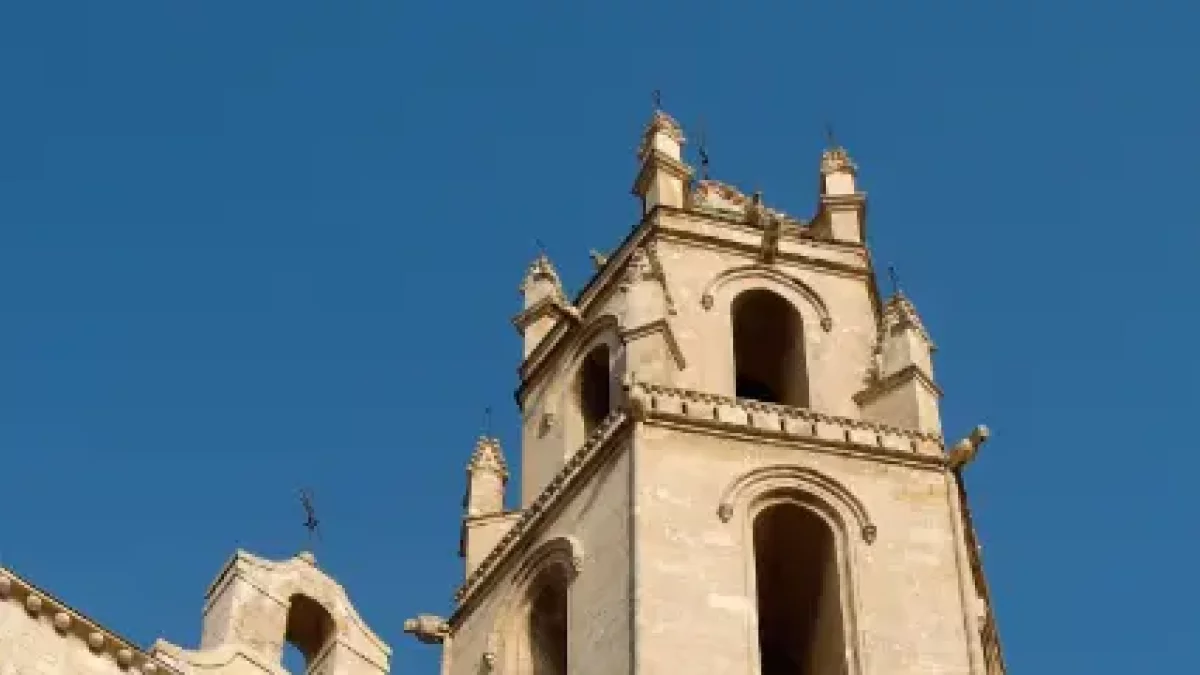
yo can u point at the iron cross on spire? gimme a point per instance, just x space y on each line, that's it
310 513
830 139
656 96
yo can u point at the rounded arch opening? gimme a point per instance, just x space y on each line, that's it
768 349
310 628
594 387
546 622
801 628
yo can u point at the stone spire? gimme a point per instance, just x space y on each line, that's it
485 519
487 476
901 390
837 172
545 303
663 177
541 281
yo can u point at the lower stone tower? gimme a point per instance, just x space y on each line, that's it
732 459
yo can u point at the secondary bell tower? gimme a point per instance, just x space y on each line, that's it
732 459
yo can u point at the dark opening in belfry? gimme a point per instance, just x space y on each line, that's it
800 628
595 388
768 349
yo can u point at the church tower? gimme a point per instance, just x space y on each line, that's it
732 460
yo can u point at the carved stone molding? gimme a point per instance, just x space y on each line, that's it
769 420
707 298
781 479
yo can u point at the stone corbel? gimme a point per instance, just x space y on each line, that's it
428 629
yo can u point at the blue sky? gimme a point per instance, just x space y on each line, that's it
246 247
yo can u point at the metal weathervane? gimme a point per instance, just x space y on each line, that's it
310 512
829 137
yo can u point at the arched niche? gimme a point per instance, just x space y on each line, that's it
799 530
533 633
588 384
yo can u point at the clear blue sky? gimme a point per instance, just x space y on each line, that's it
249 246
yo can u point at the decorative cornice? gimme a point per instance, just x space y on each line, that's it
70 624
881 386
534 514
549 306
656 161
650 401
488 456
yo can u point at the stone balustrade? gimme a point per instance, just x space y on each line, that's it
659 401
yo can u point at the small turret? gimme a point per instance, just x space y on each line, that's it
545 303
901 390
487 477
663 177
485 520
843 209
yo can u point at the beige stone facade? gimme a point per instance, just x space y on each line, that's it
732 459
732 463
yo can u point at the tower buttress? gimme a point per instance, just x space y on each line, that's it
901 390
664 177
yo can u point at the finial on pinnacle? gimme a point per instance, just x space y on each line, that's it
656 96
895 279
830 139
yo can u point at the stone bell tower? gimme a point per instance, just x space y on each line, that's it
256 606
732 459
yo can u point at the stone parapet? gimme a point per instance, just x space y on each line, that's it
657 401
